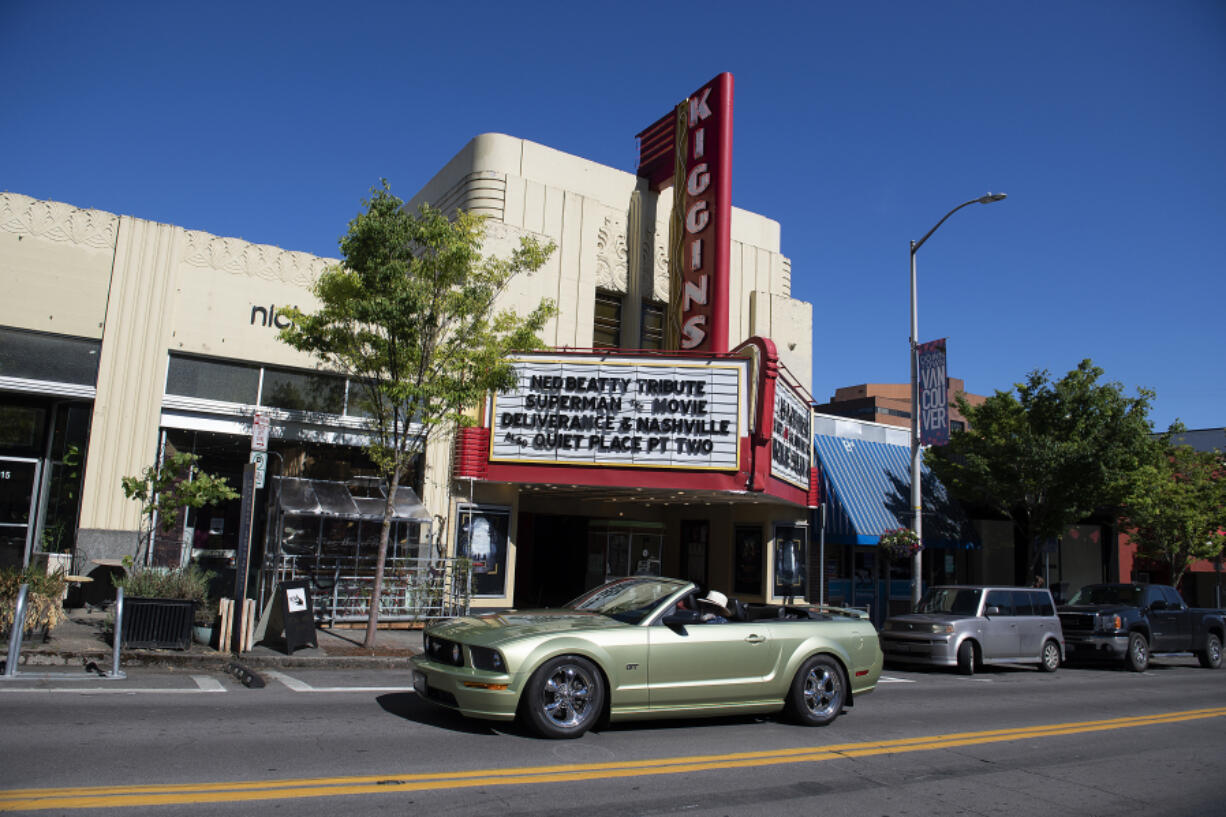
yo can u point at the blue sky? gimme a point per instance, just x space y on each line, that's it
857 127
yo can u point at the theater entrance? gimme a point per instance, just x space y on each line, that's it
559 557
551 560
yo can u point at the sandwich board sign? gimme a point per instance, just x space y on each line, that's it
294 615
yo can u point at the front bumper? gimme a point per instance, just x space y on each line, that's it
1095 645
937 650
470 692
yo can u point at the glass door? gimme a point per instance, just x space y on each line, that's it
19 479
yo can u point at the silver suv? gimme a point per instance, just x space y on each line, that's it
969 626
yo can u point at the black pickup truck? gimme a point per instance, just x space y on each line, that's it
1131 621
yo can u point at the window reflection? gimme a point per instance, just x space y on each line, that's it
213 380
40 356
303 392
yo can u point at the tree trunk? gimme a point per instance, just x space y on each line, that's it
376 591
1021 552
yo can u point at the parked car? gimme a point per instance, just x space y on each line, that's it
968 626
644 647
1129 622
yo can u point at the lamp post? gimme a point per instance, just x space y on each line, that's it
917 520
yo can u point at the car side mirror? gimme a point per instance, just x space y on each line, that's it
992 611
677 621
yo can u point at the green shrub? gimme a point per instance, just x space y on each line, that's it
159 583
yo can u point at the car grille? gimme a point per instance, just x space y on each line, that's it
1077 621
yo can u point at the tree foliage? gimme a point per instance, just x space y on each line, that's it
1048 454
410 314
1177 510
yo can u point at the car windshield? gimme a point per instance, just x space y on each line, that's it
628 600
1128 594
959 600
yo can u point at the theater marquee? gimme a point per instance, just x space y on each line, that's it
638 412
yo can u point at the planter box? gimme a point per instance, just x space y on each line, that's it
160 624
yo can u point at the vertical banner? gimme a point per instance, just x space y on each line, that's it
934 393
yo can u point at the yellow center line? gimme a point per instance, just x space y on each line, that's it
235 791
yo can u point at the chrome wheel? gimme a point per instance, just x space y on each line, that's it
567 696
823 691
818 692
564 697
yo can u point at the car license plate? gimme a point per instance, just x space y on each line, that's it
419 682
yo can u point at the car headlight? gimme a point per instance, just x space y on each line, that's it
943 629
1109 623
444 651
487 659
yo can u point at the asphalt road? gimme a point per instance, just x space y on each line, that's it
1083 741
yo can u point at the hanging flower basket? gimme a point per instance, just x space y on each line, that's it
899 543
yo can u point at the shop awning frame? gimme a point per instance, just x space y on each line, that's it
299 496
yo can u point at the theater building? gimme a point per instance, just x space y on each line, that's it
628 447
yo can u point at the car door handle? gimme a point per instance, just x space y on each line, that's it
755 638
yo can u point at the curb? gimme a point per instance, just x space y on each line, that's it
213 660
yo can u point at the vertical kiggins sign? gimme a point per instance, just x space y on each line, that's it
700 163
933 393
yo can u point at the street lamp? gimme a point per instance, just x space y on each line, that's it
917 519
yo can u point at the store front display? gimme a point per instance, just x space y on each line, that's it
791 547
481 538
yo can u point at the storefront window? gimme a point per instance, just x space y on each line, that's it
213 380
54 358
790 560
481 536
21 429
61 503
298 391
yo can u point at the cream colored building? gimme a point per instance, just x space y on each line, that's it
125 338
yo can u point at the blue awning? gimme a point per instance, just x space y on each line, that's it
867 489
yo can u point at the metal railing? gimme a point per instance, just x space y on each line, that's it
413 589
18 631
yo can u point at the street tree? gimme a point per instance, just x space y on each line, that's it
411 315
1177 510
1048 454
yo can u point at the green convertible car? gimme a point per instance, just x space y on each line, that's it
648 647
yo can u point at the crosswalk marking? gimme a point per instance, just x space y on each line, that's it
302 686
207 683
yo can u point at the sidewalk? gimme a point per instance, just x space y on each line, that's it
82 638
